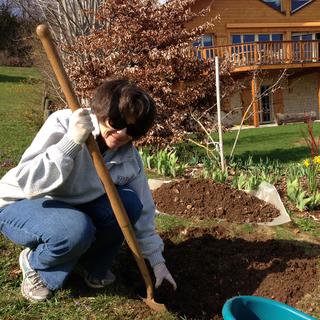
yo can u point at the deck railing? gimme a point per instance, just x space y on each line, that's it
265 53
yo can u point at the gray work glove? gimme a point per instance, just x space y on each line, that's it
80 126
161 272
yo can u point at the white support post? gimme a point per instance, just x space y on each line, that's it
219 113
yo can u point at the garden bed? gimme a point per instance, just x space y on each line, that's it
213 264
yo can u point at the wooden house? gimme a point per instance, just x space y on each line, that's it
262 38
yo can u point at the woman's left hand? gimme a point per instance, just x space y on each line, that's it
161 272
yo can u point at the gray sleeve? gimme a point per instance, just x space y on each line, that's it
48 161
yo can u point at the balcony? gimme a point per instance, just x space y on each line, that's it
266 55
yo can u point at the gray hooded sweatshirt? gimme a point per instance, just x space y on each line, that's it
57 168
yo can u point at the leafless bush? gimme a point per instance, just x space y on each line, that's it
145 42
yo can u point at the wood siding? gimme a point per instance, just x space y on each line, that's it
255 17
246 13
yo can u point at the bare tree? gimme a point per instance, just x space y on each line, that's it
142 40
67 19
150 44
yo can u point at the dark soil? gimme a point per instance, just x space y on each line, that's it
210 266
213 264
209 199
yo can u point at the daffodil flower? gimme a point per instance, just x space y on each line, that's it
306 163
316 160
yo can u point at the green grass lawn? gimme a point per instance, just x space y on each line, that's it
285 143
20 112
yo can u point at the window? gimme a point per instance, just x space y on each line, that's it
244 43
236 38
265 113
270 37
275 4
264 37
276 37
303 36
248 38
306 49
242 38
206 40
298 4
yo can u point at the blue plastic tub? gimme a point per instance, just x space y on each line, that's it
258 308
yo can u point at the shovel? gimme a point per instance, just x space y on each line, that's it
102 171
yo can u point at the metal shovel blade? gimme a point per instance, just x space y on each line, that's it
159 307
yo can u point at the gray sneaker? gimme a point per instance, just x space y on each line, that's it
32 287
93 282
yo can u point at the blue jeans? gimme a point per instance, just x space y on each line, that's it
60 234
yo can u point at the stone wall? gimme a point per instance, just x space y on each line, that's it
298 93
301 94
235 116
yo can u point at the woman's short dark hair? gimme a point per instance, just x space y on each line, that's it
124 104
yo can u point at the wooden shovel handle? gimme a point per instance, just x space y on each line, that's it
98 161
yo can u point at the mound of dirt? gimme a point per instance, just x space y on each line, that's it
205 198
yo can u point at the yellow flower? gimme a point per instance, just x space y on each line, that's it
316 160
306 163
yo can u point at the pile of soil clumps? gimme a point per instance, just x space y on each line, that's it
205 198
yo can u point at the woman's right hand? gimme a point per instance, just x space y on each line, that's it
80 126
